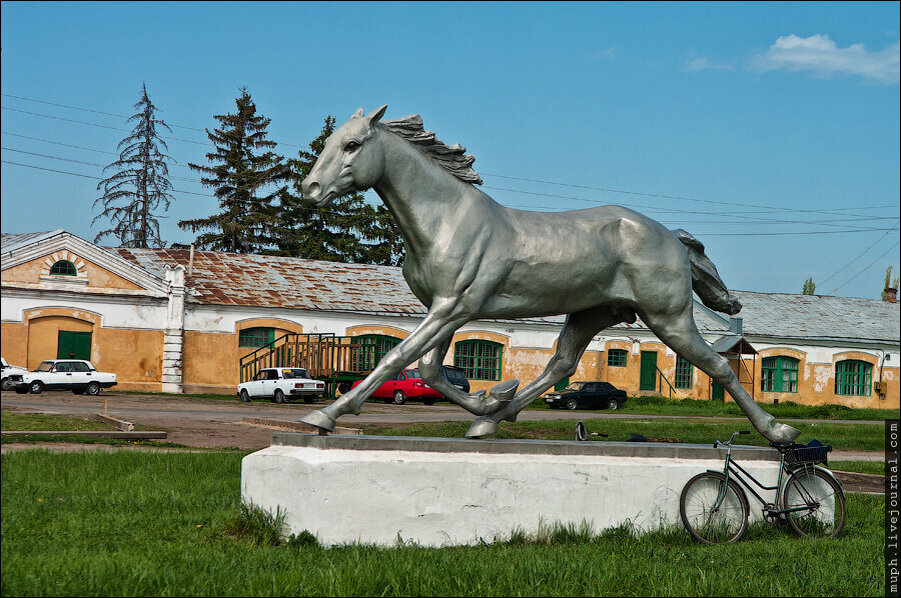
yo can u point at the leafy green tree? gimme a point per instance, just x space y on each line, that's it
348 230
140 186
244 176
809 287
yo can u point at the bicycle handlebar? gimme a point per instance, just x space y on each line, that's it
717 443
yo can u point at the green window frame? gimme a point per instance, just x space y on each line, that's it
481 360
617 358
256 337
854 378
373 348
684 373
779 374
63 268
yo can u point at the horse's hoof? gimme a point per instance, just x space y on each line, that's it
320 420
782 434
505 391
481 426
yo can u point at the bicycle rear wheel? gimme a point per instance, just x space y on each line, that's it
706 522
823 515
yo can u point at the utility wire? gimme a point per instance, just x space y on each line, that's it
751 220
607 190
340 213
879 240
865 269
771 221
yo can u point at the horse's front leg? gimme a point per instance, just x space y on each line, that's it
443 319
476 403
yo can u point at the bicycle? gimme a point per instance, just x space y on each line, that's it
714 505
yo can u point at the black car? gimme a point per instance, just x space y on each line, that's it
596 395
457 377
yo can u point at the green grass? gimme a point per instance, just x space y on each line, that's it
861 437
658 405
871 467
13 421
172 524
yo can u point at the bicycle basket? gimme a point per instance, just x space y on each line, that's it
809 453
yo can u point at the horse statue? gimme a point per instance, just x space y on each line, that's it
469 258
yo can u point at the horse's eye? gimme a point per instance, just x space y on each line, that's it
351 146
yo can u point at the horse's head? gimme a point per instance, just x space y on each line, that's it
350 160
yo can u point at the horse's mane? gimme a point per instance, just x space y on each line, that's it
451 158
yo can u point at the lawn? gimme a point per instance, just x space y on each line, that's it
170 524
862 437
658 405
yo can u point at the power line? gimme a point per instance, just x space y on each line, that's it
81 122
751 220
867 268
603 189
196 181
879 240
340 213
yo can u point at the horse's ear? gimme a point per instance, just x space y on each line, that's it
376 114
359 112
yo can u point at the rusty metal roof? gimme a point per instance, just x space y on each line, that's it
294 283
272 281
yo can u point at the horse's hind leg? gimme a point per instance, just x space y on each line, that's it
476 403
679 332
578 331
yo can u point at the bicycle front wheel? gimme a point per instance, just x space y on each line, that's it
713 511
814 503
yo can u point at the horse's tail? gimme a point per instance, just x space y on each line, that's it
705 280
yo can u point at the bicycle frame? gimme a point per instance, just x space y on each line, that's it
737 471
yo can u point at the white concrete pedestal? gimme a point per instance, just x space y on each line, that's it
438 492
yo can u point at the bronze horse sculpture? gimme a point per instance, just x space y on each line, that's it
469 258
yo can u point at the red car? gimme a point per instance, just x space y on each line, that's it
407 385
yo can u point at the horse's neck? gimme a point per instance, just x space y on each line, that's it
419 194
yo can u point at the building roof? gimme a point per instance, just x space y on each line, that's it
12 241
220 278
819 317
284 282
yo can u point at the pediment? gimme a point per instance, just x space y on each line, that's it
93 269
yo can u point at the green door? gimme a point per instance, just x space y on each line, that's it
562 384
648 377
73 345
717 392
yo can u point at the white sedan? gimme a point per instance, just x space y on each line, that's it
281 384
77 375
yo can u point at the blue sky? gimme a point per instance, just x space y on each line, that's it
733 121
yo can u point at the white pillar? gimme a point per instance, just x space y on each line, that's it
174 331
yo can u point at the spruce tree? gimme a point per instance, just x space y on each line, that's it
348 230
243 175
141 184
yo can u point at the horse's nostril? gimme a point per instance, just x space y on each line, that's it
311 190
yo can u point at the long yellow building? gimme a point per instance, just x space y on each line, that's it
177 320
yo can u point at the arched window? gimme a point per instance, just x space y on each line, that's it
481 360
853 377
684 373
256 337
63 268
616 358
779 374
373 348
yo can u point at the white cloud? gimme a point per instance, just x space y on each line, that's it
820 56
608 54
703 64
